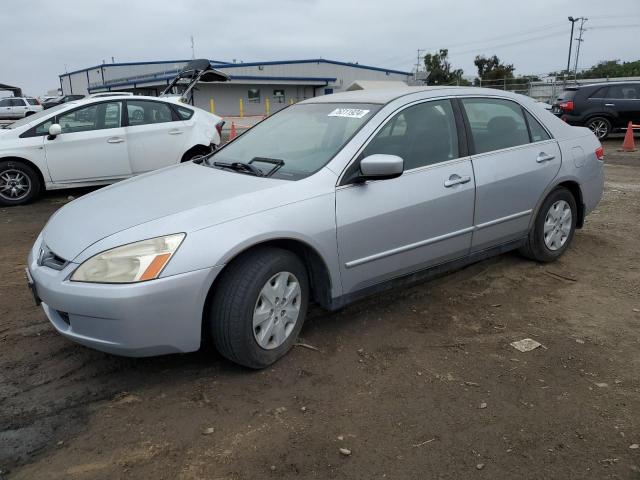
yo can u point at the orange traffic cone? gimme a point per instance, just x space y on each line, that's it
234 132
629 144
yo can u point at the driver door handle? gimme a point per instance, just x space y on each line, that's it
115 140
543 157
609 104
175 132
456 180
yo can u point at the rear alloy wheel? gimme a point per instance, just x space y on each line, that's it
554 227
600 126
19 184
258 307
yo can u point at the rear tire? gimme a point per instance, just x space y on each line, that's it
19 183
554 227
249 326
600 126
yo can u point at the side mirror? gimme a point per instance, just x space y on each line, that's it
381 167
54 131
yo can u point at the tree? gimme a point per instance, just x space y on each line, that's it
439 69
612 69
491 68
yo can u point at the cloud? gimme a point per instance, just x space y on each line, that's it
41 37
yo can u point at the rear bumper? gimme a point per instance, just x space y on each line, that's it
141 319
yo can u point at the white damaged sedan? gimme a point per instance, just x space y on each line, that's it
98 141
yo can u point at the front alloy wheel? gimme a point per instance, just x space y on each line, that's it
19 184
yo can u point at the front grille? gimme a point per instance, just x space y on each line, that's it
47 258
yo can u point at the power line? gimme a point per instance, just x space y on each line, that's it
508 44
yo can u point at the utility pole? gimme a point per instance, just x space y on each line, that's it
193 50
418 62
579 40
566 74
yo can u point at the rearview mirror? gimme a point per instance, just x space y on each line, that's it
381 167
55 130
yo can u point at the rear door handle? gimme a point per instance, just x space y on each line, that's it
543 157
456 180
115 140
175 132
609 104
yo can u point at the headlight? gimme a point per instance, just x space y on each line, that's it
135 262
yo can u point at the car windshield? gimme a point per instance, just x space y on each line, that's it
37 116
304 136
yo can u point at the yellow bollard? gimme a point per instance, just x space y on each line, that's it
267 106
241 108
291 101
212 105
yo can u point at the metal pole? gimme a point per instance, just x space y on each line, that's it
573 21
579 40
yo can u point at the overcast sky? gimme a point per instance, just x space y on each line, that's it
40 39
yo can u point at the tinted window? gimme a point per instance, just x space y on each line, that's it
185 113
4 102
624 92
538 133
16 102
495 123
599 93
32 101
94 117
422 134
141 112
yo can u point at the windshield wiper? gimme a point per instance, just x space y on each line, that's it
276 162
240 167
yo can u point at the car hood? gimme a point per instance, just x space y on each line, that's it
222 195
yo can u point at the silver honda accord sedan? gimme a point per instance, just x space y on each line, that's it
329 200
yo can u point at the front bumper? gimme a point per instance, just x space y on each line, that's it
139 319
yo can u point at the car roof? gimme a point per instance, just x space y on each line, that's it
604 84
386 95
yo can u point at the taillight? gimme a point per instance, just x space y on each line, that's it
567 106
219 128
600 153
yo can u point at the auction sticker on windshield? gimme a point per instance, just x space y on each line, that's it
348 113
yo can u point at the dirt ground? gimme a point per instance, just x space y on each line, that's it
419 383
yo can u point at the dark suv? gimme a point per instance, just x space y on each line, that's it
61 100
604 108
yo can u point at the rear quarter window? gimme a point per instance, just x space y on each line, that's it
32 101
185 113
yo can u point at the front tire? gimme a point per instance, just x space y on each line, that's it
600 126
554 227
19 183
259 306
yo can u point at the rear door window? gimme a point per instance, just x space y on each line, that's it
144 112
16 102
495 123
624 92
